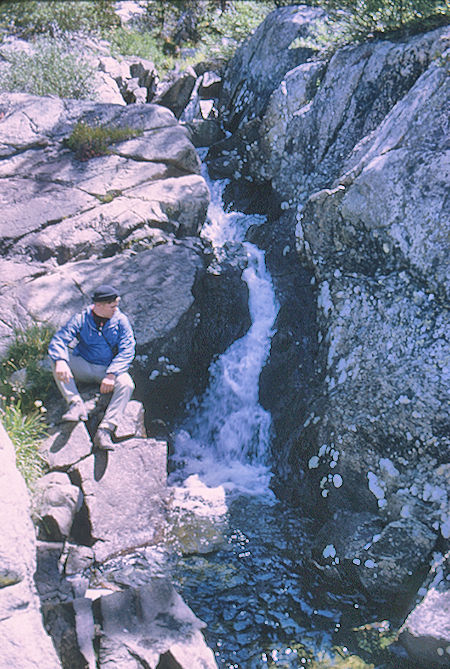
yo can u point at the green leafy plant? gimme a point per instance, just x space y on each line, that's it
25 430
207 28
130 42
51 69
109 196
88 141
358 19
53 17
24 385
23 378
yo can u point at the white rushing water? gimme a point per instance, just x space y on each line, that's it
225 438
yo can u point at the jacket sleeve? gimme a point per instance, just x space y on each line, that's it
126 348
58 347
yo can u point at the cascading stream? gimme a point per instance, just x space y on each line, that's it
225 439
239 553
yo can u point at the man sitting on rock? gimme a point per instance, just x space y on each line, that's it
103 354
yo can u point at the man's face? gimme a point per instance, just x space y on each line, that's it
106 309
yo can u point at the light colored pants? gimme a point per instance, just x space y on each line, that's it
87 372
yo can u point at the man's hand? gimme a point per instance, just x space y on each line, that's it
62 371
107 385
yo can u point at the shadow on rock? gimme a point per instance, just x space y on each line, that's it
63 433
100 464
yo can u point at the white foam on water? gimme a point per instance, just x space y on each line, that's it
225 438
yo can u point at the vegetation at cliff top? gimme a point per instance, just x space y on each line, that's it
88 141
352 20
24 386
53 17
177 33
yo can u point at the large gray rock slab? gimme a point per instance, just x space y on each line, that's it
175 205
19 603
294 93
51 204
28 121
169 145
380 293
150 624
309 147
260 63
84 205
124 495
376 435
161 278
147 192
378 210
378 440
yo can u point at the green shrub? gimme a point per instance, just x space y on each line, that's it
25 430
51 70
357 19
52 17
22 409
89 141
129 42
240 19
24 357
160 38
28 345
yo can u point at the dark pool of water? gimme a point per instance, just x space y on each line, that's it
265 606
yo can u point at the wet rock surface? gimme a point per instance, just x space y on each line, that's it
359 352
426 631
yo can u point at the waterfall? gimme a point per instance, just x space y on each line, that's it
225 437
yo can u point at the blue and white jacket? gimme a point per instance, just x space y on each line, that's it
113 346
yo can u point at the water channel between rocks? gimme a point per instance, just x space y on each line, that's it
235 553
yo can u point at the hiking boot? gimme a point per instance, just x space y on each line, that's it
74 413
103 439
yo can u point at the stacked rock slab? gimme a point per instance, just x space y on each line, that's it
121 493
123 500
124 495
24 640
131 217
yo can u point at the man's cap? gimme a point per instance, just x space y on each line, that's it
105 293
